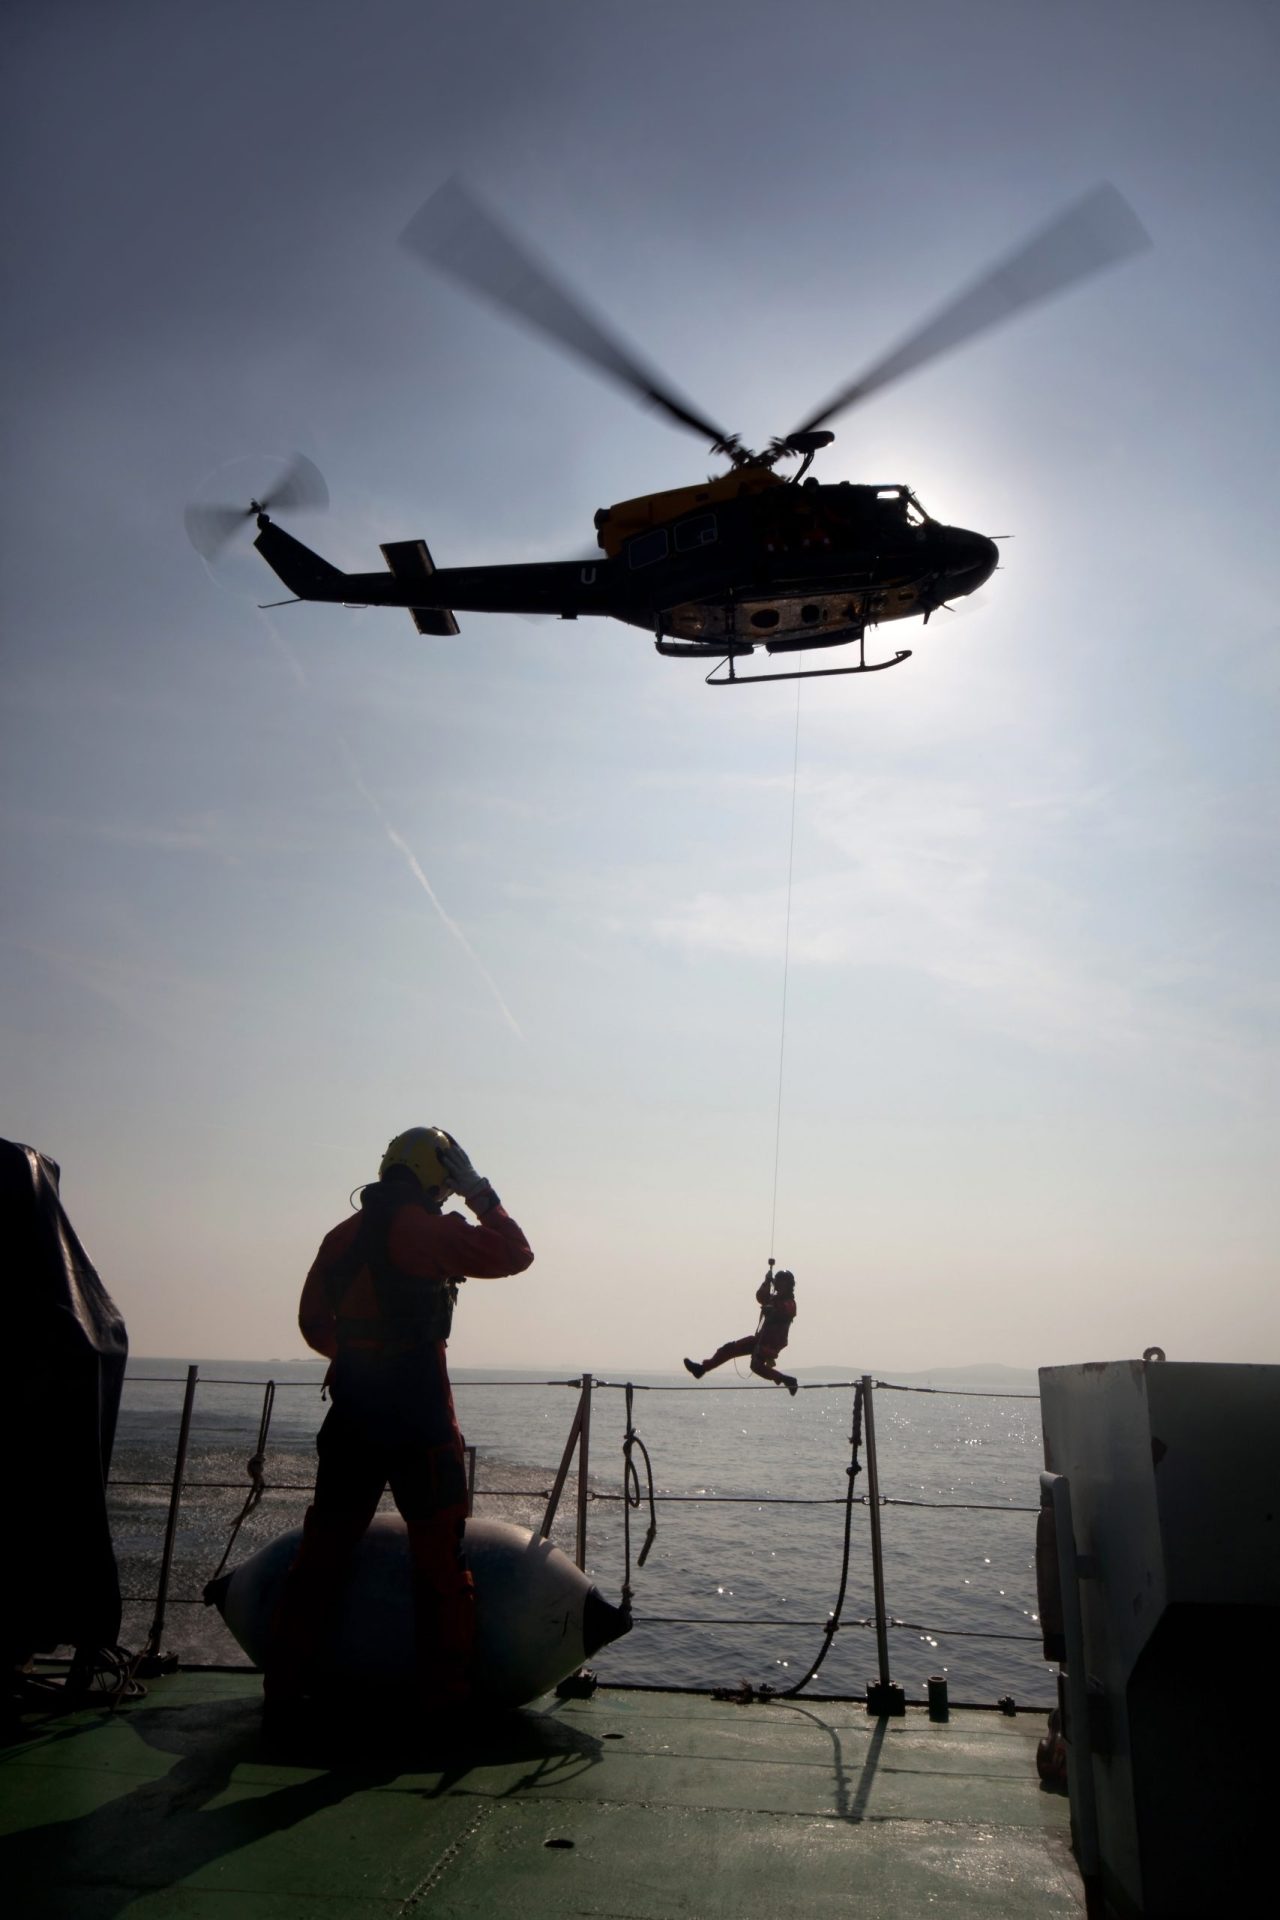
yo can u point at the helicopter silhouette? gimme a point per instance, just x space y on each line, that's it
747 559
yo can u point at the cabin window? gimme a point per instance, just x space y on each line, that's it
648 548
698 532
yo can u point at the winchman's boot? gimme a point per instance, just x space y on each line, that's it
692 1366
791 1384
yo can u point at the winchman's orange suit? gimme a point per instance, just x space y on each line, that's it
378 1303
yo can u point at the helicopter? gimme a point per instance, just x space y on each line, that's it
750 558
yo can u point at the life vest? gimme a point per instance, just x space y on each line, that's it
413 1311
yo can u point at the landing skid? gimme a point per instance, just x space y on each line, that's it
732 679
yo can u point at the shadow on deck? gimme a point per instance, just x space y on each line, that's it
644 1805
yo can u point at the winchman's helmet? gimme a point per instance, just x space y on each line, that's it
417 1150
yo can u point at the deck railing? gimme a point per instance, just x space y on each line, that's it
888 1695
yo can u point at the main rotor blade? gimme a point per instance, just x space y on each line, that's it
1097 232
456 234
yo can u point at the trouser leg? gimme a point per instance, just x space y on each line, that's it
762 1363
310 1589
430 1488
348 1487
444 1607
731 1350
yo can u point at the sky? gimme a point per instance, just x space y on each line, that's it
279 884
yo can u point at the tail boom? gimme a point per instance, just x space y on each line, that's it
412 581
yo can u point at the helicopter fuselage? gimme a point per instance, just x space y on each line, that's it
780 566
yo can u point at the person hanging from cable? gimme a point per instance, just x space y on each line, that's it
777 1298
378 1302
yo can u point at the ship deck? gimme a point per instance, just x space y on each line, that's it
635 1804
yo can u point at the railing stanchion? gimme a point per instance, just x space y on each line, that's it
584 1456
885 1697
152 1649
579 1441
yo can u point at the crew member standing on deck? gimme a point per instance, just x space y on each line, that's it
777 1299
378 1303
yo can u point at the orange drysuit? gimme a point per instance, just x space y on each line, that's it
378 1302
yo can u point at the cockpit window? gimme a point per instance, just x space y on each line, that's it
698 532
916 515
647 548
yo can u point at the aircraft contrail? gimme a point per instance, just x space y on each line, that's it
398 841
411 860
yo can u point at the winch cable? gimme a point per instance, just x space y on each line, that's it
631 1499
786 968
829 1631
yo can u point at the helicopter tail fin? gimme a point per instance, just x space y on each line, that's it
302 571
411 565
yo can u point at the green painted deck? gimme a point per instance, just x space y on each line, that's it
664 1805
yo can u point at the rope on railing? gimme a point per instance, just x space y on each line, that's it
829 1631
638 1386
907 1626
311 1386
957 1393
742 1499
254 1468
956 1506
818 1500
713 1620
615 1499
631 1501
305 1487
743 1386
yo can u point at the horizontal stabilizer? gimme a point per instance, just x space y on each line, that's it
412 566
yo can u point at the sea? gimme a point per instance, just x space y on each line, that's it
746 1563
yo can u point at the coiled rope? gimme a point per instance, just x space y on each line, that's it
631 1500
254 1468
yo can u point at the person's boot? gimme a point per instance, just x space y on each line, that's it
791 1384
692 1366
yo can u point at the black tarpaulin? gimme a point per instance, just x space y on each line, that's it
66 1355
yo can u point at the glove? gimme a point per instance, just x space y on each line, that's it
472 1186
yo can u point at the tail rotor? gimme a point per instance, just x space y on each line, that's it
212 526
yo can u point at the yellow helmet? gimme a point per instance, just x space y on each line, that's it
418 1149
